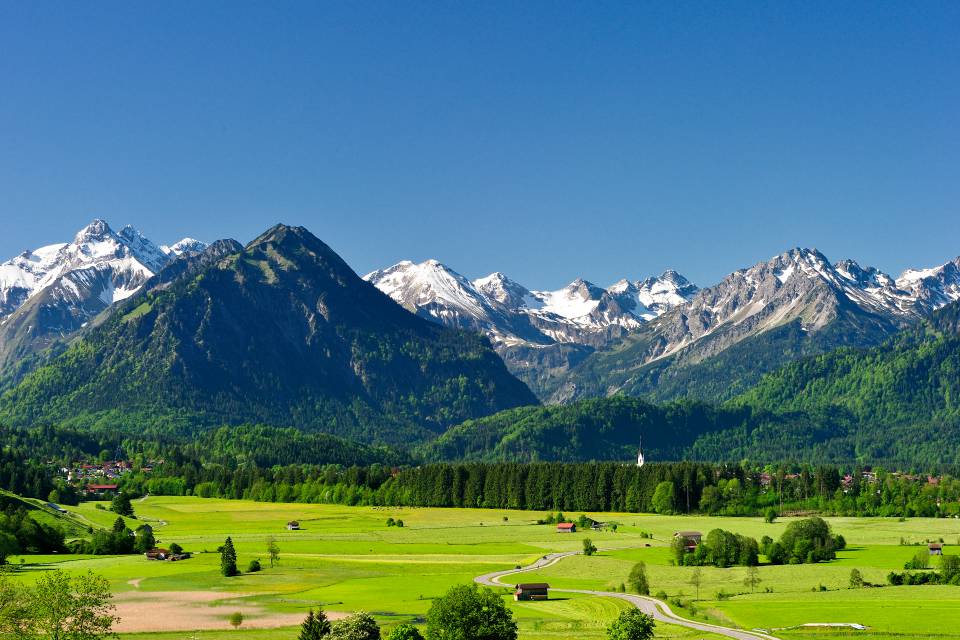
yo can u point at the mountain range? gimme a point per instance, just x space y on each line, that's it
663 337
794 355
280 332
49 293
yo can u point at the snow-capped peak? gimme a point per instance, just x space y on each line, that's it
186 245
115 264
936 286
497 287
429 284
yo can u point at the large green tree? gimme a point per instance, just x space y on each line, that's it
638 579
315 627
72 608
405 632
663 498
469 612
121 504
359 626
228 559
631 624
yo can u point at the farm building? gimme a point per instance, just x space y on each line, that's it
531 591
935 548
165 554
690 539
101 489
293 525
157 554
566 527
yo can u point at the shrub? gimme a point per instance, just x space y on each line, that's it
588 547
638 579
856 579
254 566
236 619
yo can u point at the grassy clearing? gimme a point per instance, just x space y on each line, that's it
346 559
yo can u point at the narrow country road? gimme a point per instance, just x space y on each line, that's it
657 609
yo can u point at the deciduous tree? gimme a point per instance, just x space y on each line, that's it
631 624
468 612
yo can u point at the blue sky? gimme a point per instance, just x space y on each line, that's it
544 140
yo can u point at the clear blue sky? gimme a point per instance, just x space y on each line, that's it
547 141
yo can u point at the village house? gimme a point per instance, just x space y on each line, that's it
531 591
690 539
935 548
100 489
566 527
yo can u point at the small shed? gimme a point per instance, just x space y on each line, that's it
531 591
293 525
567 527
157 554
935 548
690 539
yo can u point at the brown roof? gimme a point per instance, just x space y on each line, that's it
533 585
935 545
102 486
688 534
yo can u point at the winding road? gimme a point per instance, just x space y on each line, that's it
657 609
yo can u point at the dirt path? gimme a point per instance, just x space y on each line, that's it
658 609
144 611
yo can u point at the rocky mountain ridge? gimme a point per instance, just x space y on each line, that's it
48 293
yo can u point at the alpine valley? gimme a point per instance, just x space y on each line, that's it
796 357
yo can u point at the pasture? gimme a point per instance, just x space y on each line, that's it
346 559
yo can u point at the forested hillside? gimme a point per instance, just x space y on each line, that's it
597 429
911 380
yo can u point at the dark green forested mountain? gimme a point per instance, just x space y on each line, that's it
913 378
596 429
280 332
898 402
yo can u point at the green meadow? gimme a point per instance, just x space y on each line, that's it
346 559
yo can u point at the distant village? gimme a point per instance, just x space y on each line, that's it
94 480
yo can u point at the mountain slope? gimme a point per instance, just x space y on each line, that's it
911 379
721 341
282 332
596 429
48 294
897 403
539 334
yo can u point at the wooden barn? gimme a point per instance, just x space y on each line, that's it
567 527
690 539
531 591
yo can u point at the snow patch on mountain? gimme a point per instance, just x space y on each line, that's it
98 264
511 314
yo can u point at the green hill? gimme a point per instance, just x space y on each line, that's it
279 332
596 429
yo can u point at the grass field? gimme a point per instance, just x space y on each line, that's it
346 559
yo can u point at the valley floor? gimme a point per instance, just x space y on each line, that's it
346 559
